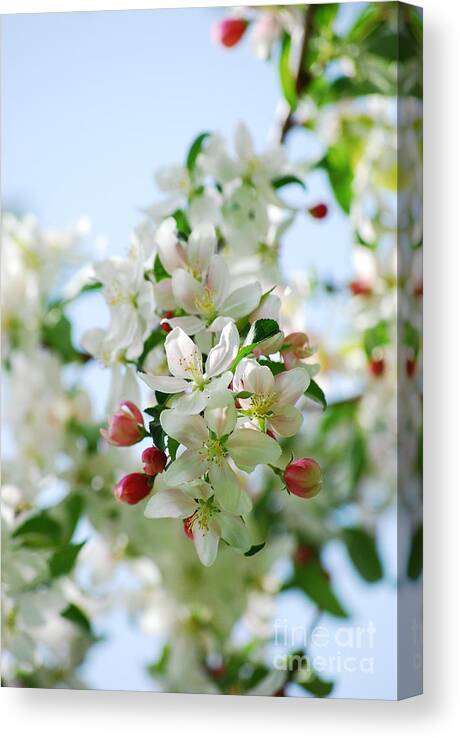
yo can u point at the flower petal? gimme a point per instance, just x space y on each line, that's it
164 297
192 403
220 414
286 420
257 379
201 247
169 385
206 544
234 531
171 252
221 356
190 430
190 324
186 468
184 359
186 290
229 493
249 447
291 385
218 279
242 301
170 503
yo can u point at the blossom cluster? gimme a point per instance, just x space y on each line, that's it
227 396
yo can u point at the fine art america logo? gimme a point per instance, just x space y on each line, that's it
332 650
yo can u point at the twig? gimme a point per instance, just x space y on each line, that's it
302 76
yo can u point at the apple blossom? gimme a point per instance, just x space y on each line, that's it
204 522
126 425
272 400
211 442
192 386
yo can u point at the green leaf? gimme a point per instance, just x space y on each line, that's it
183 226
314 684
77 617
276 367
260 330
158 434
340 172
159 272
63 560
313 581
39 530
415 562
195 150
315 393
158 668
67 514
255 549
366 22
358 458
325 16
288 179
287 80
362 550
173 445
376 337
57 335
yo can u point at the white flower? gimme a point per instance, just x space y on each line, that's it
272 401
186 366
205 522
210 442
211 298
182 190
130 299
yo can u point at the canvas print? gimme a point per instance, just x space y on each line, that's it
212 350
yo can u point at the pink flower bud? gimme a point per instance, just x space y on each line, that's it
133 488
229 31
296 347
153 460
359 287
124 425
303 477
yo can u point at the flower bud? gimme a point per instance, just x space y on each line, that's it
377 367
153 460
319 211
296 347
303 477
360 288
125 425
133 488
229 31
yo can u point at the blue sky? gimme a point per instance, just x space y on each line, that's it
93 104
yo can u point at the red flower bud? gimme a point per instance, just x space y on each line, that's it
153 460
377 367
165 326
319 211
124 425
411 367
133 488
304 555
229 31
303 477
358 287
